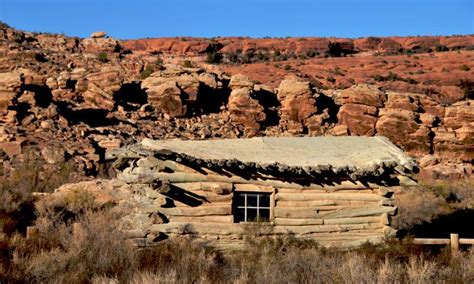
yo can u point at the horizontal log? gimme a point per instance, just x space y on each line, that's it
197 228
282 203
296 222
253 187
301 230
304 212
221 188
239 229
327 196
355 220
196 211
360 212
466 241
208 196
205 204
226 219
180 177
431 241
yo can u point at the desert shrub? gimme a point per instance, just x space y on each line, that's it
193 259
4 25
188 64
287 67
147 72
213 57
468 87
26 174
464 67
61 251
418 206
232 57
312 53
103 57
441 48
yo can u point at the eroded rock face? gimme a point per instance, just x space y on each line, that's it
55 88
359 110
101 87
243 109
9 86
297 104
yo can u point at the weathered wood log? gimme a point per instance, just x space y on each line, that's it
225 219
225 201
196 211
253 187
300 230
197 228
296 222
304 212
360 212
342 186
385 219
221 188
283 203
238 229
354 220
327 196
431 241
180 177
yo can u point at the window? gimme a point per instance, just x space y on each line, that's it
251 207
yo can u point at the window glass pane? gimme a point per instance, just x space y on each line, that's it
239 199
265 200
252 200
251 215
264 215
239 215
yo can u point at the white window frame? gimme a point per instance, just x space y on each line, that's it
258 207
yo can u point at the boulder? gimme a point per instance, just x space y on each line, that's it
10 84
98 34
53 155
359 119
244 110
459 114
362 94
297 103
101 87
166 99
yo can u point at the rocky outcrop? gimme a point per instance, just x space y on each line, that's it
71 105
298 104
101 87
243 109
359 108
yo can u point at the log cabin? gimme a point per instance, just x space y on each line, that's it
338 191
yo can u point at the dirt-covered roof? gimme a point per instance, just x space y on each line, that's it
350 154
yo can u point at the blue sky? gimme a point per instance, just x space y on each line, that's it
254 18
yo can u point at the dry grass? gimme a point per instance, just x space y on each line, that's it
78 241
422 205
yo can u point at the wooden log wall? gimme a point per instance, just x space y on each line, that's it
199 201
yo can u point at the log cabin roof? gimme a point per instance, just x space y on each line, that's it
350 154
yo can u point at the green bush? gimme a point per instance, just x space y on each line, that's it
213 57
312 53
441 48
146 72
464 67
188 64
102 57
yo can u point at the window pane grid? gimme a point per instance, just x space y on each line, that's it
256 206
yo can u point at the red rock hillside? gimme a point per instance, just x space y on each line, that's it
71 99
